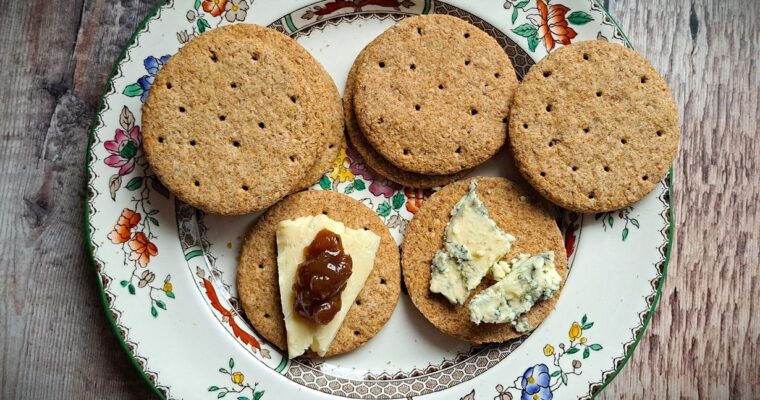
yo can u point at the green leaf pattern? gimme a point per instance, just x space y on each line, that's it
240 387
565 359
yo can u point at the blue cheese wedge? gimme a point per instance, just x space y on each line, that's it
446 277
473 244
292 237
530 279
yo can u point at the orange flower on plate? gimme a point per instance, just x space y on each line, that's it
214 7
122 231
414 199
552 24
142 249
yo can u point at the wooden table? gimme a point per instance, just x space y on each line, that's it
55 341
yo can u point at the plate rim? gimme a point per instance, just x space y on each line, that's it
89 244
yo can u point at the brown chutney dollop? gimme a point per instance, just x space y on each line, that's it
321 278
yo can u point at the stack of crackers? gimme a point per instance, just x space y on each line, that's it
428 100
239 118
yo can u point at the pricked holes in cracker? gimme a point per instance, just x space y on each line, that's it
412 67
525 126
574 168
660 133
381 64
586 56
598 93
331 145
192 142
440 86
181 109
160 139
236 143
357 333
586 129
245 188
292 158
168 85
549 107
261 266
262 125
293 99
553 142
222 117
644 178
266 315
467 35
591 195
467 62
543 174
255 56
382 281
419 30
547 74
406 152
644 79
473 111
213 57
606 169
358 302
380 120
505 120
233 85
197 183
458 150
623 141
417 107
497 75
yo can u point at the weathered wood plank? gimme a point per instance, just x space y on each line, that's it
704 339
55 340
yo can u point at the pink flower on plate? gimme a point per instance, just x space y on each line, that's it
124 149
383 187
379 186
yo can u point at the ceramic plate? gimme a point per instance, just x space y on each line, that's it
167 270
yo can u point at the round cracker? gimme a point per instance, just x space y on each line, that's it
515 211
375 160
593 127
257 279
334 138
434 94
237 117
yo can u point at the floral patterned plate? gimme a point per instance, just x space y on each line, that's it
167 270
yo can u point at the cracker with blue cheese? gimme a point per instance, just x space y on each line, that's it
517 212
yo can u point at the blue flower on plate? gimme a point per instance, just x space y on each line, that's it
535 383
152 65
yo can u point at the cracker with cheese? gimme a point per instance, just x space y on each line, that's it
484 260
273 251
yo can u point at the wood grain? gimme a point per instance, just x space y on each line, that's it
55 341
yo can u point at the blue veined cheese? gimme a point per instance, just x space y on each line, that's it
531 279
473 244
446 278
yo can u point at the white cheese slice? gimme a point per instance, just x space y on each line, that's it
293 236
